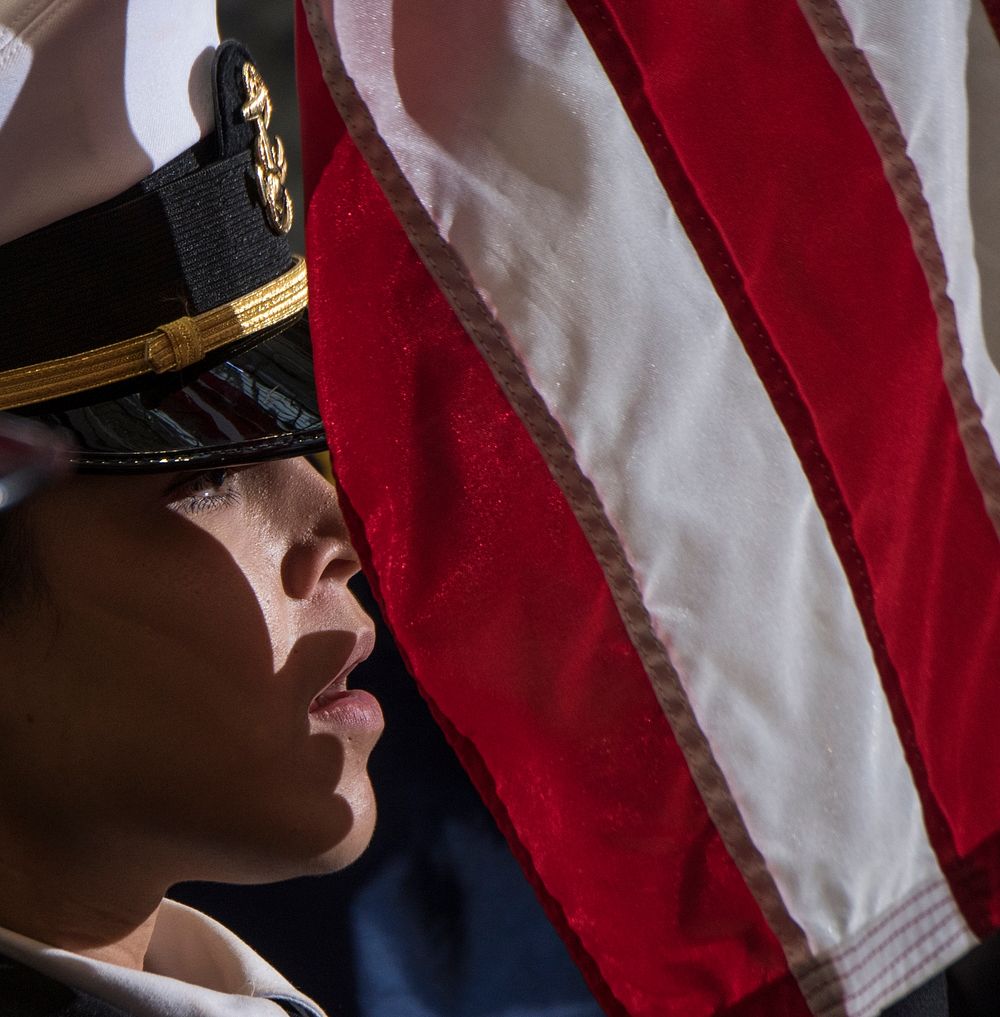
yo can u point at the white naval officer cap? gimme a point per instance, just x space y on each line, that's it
154 310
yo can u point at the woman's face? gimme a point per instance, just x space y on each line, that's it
160 696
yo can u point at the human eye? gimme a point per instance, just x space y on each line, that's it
202 491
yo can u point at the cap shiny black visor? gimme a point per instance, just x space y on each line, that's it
251 401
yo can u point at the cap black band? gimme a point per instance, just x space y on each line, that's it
165 329
194 233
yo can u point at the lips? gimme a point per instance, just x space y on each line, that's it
337 686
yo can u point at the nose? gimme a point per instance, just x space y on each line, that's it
322 553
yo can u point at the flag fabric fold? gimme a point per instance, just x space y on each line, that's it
659 383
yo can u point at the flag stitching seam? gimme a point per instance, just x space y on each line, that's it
577 488
383 167
788 402
852 66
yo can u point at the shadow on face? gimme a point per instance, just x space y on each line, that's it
155 704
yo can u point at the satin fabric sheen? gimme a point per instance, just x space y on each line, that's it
536 681
795 196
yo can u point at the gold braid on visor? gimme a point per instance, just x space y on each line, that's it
171 347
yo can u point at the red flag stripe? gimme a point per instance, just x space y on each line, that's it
909 73
870 985
852 66
841 922
563 585
864 970
992 10
663 917
787 149
691 470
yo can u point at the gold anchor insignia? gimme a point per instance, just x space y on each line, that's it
269 155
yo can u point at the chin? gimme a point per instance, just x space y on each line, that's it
358 836
353 837
319 839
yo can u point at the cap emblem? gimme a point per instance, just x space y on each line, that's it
269 153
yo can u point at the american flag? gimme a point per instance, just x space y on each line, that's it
657 345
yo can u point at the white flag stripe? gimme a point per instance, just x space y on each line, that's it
939 67
526 161
892 959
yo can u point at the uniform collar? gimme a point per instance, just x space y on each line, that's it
195 967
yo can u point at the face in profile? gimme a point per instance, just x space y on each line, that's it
177 691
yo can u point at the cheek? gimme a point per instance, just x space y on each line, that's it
236 586
173 688
157 659
179 597
147 646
